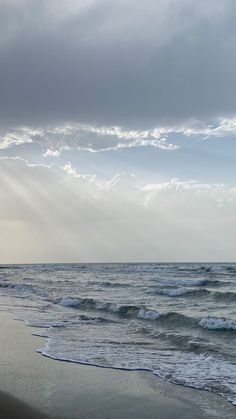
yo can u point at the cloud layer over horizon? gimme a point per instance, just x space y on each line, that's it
122 219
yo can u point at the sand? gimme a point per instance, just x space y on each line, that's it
12 408
34 386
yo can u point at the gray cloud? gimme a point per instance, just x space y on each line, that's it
121 62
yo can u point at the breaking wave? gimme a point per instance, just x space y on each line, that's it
216 323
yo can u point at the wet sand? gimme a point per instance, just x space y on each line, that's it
34 386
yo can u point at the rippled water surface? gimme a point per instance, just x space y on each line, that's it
176 320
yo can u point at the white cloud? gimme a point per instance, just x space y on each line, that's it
55 214
55 139
200 198
92 138
17 137
52 153
225 127
221 128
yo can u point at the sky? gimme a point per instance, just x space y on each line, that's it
117 131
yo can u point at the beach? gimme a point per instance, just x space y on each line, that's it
118 209
35 386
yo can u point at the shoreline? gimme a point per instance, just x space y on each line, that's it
67 390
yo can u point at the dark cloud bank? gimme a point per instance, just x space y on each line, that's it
129 63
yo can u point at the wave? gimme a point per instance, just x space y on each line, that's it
115 284
195 268
6 285
192 282
186 342
145 314
217 323
89 303
17 287
202 371
175 338
228 296
138 312
170 319
209 269
231 269
178 292
175 319
224 269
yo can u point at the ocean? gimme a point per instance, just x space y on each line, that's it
177 321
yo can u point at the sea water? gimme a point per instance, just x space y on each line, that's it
176 320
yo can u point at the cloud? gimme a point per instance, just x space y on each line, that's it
190 196
224 127
16 137
113 75
53 214
92 138
55 139
51 153
116 62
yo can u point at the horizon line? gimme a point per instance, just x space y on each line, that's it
116 263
